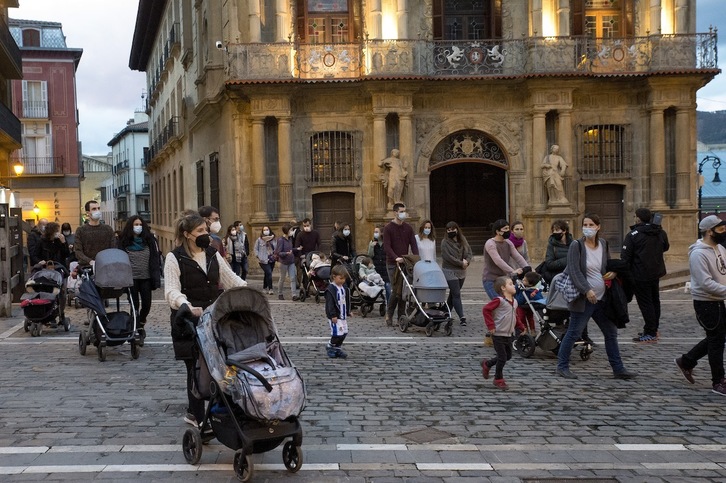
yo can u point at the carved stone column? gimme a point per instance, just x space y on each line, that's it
282 21
258 170
375 26
539 150
405 130
380 200
564 141
563 18
402 19
536 18
682 17
657 159
284 167
655 17
684 161
255 23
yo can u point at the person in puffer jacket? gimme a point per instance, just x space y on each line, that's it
500 316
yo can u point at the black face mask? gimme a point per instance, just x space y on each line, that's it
452 234
719 237
506 234
202 241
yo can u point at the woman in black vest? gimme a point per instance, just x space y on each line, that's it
194 274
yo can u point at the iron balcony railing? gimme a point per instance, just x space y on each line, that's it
473 58
42 165
35 109
165 136
145 188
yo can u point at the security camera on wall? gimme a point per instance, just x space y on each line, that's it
219 45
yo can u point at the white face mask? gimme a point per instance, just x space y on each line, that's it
66 233
215 227
138 229
233 233
427 231
266 232
402 215
375 235
346 232
307 228
589 232
96 215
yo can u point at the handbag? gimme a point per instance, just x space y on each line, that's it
563 283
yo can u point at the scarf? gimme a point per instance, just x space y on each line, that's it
137 245
517 242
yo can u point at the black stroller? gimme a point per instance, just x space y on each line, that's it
424 296
315 284
255 393
112 278
552 318
365 294
43 303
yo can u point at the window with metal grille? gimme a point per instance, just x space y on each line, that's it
605 151
214 179
200 183
332 158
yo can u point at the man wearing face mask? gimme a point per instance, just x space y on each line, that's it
211 216
93 236
34 240
707 262
501 258
400 240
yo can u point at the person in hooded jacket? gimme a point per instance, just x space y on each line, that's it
557 248
343 249
643 250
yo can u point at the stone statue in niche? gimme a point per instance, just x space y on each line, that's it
394 176
554 168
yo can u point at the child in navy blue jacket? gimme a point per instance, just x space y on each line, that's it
337 310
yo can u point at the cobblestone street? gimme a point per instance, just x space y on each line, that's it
402 407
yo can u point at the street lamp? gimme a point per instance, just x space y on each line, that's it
18 168
715 164
36 210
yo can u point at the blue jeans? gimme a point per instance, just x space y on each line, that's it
267 268
489 289
578 322
287 270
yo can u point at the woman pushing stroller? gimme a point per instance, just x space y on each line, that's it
193 273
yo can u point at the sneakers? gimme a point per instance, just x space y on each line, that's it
462 322
389 322
295 298
341 353
624 375
645 339
335 352
485 369
687 373
501 384
280 297
190 419
566 373
720 388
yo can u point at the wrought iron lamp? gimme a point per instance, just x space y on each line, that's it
36 210
715 164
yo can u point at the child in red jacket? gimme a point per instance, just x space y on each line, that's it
500 316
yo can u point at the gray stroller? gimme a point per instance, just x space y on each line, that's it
112 278
255 392
424 297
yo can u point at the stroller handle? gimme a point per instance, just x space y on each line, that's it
247 368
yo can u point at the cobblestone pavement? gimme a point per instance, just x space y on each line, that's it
402 407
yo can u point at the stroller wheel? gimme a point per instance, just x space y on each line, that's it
192 446
303 294
585 353
82 344
66 324
26 325
101 352
292 457
317 298
382 310
76 303
242 466
430 330
364 309
447 328
135 350
525 345
403 323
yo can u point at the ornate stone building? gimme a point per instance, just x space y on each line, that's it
280 109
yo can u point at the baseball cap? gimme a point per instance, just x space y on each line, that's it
710 222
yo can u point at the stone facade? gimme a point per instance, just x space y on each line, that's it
251 115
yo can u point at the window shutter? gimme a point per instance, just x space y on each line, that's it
577 7
496 12
438 20
44 91
25 91
628 26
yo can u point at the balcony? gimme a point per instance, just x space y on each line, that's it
168 133
11 62
120 166
43 165
9 128
145 188
35 109
122 215
442 59
145 215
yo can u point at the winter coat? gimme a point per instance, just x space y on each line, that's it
343 247
643 250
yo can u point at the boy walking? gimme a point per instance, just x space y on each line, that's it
337 310
500 316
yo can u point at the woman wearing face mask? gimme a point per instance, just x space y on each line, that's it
193 275
236 254
378 254
52 246
518 240
343 250
557 248
136 239
265 251
456 256
586 264
500 258
426 241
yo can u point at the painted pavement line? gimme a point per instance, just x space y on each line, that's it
11 331
456 467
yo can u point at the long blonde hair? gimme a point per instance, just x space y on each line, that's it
188 221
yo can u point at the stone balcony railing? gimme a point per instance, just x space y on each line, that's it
496 58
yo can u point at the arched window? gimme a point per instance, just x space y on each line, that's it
31 38
467 19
